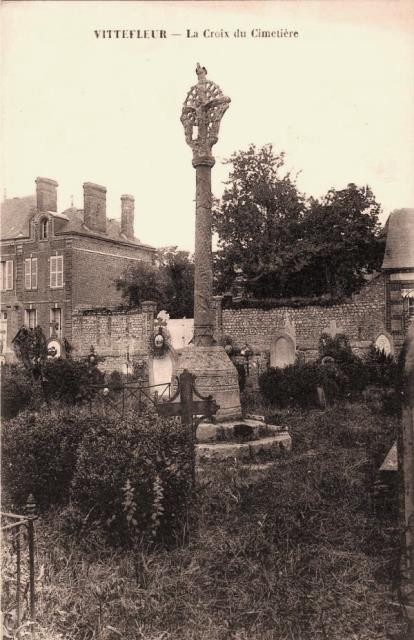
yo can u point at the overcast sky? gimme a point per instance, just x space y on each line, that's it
338 99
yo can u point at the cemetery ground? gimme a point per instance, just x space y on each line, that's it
301 549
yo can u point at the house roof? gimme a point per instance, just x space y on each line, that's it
17 212
399 248
15 216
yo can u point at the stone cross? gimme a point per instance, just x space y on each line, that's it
333 329
201 115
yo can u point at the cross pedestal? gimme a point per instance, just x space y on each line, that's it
216 375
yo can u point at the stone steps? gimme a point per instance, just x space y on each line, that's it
246 440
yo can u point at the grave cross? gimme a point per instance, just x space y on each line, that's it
333 329
187 408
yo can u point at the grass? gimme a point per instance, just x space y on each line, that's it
298 554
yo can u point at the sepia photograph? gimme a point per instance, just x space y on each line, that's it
207 319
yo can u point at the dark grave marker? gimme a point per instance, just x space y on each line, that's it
183 405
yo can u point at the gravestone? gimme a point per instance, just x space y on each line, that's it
282 351
383 343
162 366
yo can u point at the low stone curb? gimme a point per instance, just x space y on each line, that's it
275 445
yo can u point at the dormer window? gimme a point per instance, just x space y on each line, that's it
44 228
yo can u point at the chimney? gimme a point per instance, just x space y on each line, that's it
46 194
94 206
127 216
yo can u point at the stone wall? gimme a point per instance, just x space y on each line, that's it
119 338
361 318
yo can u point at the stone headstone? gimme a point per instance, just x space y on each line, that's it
282 351
383 343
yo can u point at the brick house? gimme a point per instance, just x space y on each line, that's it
54 264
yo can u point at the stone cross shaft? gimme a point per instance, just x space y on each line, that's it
201 115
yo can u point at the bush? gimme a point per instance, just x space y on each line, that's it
16 384
69 381
294 385
383 368
39 455
134 477
352 370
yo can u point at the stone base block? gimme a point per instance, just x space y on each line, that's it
246 451
215 375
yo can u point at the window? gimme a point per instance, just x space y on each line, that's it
56 322
411 306
44 228
30 273
56 272
6 275
30 318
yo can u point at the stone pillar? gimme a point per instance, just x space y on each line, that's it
149 308
218 318
203 258
215 374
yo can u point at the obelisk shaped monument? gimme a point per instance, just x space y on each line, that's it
201 115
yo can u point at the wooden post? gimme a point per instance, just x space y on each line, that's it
406 464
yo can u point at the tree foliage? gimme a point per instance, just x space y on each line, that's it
30 347
169 281
285 244
257 220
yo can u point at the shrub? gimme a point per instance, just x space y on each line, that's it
69 381
293 385
382 368
353 372
296 384
134 476
39 455
15 390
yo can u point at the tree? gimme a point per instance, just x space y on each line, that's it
341 239
169 281
178 267
30 348
142 281
257 221
285 244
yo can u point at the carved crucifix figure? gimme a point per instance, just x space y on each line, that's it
201 115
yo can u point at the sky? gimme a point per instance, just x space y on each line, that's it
338 99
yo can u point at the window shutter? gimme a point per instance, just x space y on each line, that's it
9 274
53 271
34 273
28 273
59 270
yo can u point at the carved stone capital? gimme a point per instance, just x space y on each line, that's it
203 161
